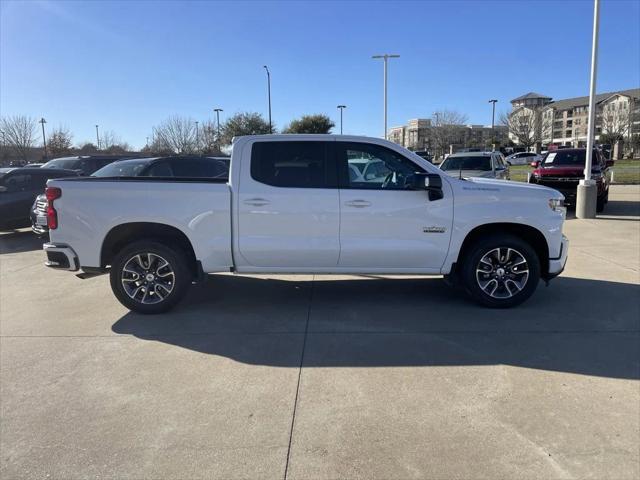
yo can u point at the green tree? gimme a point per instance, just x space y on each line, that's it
243 123
310 124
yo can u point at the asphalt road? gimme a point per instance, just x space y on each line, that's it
327 377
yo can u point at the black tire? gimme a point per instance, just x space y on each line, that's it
170 286
519 280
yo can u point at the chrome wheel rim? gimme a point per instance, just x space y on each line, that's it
502 272
147 278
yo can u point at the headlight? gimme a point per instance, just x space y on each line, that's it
557 205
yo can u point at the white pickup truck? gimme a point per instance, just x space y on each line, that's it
308 204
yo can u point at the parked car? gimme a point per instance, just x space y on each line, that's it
523 158
476 164
191 167
18 188
290 205
563 169
83 164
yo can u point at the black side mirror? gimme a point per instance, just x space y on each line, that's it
431 182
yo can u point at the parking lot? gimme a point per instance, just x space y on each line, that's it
327 376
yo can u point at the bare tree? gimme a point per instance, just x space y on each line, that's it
176 135
208 139
527 125
19 133
446 129
60 141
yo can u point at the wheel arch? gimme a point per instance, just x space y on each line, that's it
121 235
527 233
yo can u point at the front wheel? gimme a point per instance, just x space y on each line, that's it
501 271
149 277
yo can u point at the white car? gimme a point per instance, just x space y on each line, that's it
290 205
523 158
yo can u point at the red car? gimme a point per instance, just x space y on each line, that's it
563 169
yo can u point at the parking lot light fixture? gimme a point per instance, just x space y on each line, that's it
493 122
44 138
341 107
97 138
385 59
269 95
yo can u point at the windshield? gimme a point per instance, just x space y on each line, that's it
475 162
565 158
124 168
67 163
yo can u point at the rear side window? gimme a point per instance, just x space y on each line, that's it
296 164
198 168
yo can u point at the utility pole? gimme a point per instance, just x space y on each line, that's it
493 123
341 107
269 93
44 138
587 195
385 59
97 138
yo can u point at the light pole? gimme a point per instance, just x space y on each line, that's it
218 110
97 138
269 94
437 125
147 144
385 59
586 200
197 136
341 107
44 138
493 119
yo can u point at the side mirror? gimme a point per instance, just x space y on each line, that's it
610 163
431 182
3 188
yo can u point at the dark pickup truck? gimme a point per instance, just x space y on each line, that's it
563 169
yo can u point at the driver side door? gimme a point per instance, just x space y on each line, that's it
384 222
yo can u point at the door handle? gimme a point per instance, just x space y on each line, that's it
257 202
358 203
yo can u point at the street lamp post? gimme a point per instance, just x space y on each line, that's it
341 107
493 120
218 110
44 138
385 59
586 199
197 136
269 94
97 138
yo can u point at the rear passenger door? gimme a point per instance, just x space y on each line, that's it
288 206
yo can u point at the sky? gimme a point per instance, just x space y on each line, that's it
129 65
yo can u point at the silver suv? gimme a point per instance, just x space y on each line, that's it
476 164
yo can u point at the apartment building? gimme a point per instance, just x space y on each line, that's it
565 122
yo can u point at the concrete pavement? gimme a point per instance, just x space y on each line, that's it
327 377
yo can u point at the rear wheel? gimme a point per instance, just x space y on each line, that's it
149 277
501 271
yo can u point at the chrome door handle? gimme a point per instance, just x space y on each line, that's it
257 202
358 203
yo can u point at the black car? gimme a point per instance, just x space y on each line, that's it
83 164
178 166
18 188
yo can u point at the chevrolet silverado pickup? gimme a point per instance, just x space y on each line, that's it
321 204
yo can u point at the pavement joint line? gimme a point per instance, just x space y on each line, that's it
335 332
626 267
295 403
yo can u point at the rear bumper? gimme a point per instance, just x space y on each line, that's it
61 257
556 265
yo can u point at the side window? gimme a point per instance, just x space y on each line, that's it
18 183
195 167
373 167
292 164
159 169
